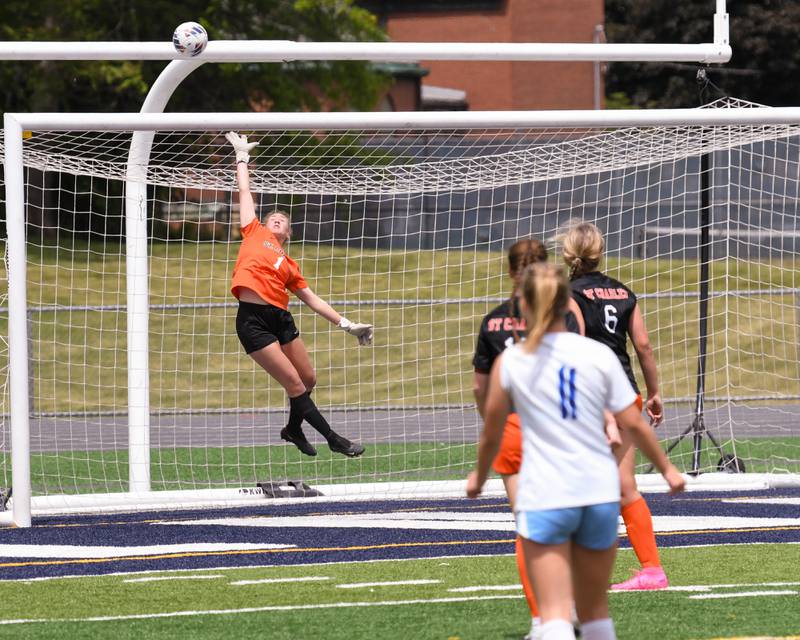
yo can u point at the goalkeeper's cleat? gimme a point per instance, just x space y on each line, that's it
298 439
338 444
648 579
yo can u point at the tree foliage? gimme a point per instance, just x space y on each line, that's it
763 36
121 86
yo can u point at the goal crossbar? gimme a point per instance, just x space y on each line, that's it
285 50
403 120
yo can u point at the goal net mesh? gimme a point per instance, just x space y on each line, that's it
406 230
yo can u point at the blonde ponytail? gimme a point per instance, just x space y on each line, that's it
546 294
582 249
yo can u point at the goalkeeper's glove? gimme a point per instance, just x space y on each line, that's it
240 146
361 331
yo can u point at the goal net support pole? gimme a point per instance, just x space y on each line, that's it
136 208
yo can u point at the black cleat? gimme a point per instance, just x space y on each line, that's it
338 444
298 439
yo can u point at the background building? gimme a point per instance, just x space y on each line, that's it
484 85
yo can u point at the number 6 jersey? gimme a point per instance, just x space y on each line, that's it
263 267
607 305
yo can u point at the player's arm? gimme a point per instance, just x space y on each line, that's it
647 361
361 331
480 386
242 148
645 439
496 410
576 311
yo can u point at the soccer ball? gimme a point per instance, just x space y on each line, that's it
190 39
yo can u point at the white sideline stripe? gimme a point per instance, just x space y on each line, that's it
161 578
711 587
742 594
277 580
80 551
698 523
452 521
396 583
298 607
471 521
487 587
117 574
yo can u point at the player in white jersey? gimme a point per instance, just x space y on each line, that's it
568 494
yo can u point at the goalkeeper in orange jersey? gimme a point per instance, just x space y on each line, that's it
610 314
262 278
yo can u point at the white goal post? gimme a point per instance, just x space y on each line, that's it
403 219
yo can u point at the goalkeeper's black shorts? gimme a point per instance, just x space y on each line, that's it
259 325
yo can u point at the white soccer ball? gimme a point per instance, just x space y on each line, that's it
190 39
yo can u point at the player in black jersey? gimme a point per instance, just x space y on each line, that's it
611 314
501 327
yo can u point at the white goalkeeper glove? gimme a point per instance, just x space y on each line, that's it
240 146
361 331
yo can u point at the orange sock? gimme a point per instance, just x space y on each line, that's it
639 524
526 583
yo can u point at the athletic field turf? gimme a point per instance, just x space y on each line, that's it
413 569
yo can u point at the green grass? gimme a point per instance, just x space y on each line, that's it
759 455
421 356
674 615
215 467
196 361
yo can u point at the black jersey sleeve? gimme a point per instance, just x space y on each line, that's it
484 353
571 322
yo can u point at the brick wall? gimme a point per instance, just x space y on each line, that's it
509 85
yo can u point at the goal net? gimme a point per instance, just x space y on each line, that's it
406 230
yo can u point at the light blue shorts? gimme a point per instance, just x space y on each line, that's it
594 526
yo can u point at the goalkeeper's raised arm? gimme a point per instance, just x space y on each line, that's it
242 148
262 278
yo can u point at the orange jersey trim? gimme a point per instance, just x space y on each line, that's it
264 267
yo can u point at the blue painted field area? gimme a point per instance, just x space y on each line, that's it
317 532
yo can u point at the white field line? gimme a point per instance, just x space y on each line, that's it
489 587
711 587
338 562
396 583
162 578
277 580
298 607
471 521
116 574
742 594
760 638
83 552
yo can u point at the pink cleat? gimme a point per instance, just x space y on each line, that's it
648 579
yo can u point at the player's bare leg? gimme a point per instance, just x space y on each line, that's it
550 572
591 570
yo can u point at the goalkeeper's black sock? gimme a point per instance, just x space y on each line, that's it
295 417
304 406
